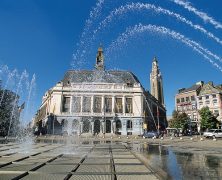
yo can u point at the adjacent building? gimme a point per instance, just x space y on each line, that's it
186 101
101 102
211 96
191 100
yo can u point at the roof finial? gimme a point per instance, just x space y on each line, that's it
155 59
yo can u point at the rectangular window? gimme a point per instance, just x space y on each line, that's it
192 98
66 104
200 98
200 103
76 104
207 102
129 105
216 111
207 97
86 107
182 99
214 95
178 100
108 105
187 99
215 102
119 105
195 117
97 104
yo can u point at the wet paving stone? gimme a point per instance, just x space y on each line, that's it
94 168
83 162
6 175
20 167
43 176
138 177
131 168
52 169
91 177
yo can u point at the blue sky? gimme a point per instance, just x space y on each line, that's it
41 36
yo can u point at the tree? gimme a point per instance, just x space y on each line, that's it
9 112
179 120
208 121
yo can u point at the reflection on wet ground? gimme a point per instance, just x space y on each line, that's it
182 163
176 162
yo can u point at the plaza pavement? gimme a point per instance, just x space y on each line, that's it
79 158
80 161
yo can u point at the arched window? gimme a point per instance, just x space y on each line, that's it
97 126
129 124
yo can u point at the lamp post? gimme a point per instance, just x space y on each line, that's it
53 123
158 114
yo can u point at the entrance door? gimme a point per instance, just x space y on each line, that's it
108 126
96 126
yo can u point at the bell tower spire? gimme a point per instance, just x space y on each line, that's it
156 82
100 59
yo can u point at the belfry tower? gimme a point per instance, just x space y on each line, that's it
100 59
156 82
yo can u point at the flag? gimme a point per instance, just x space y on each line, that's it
21 107
158 113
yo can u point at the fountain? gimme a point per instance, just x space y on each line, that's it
57 159
16 89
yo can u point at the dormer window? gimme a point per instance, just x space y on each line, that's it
128 83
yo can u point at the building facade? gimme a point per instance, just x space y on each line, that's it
211 96
99 102
191 100
186 101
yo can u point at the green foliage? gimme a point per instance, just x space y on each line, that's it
179 120
208 121
9 101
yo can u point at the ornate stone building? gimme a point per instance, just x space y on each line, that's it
100 102
191 100
211 96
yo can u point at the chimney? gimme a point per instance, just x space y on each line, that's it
201 83
180 90
211 83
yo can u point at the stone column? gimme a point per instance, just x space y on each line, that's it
113 104
81 127
81 104
103 105
123 104
124 129
104 126
92 104
92 125
114 126
101 127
